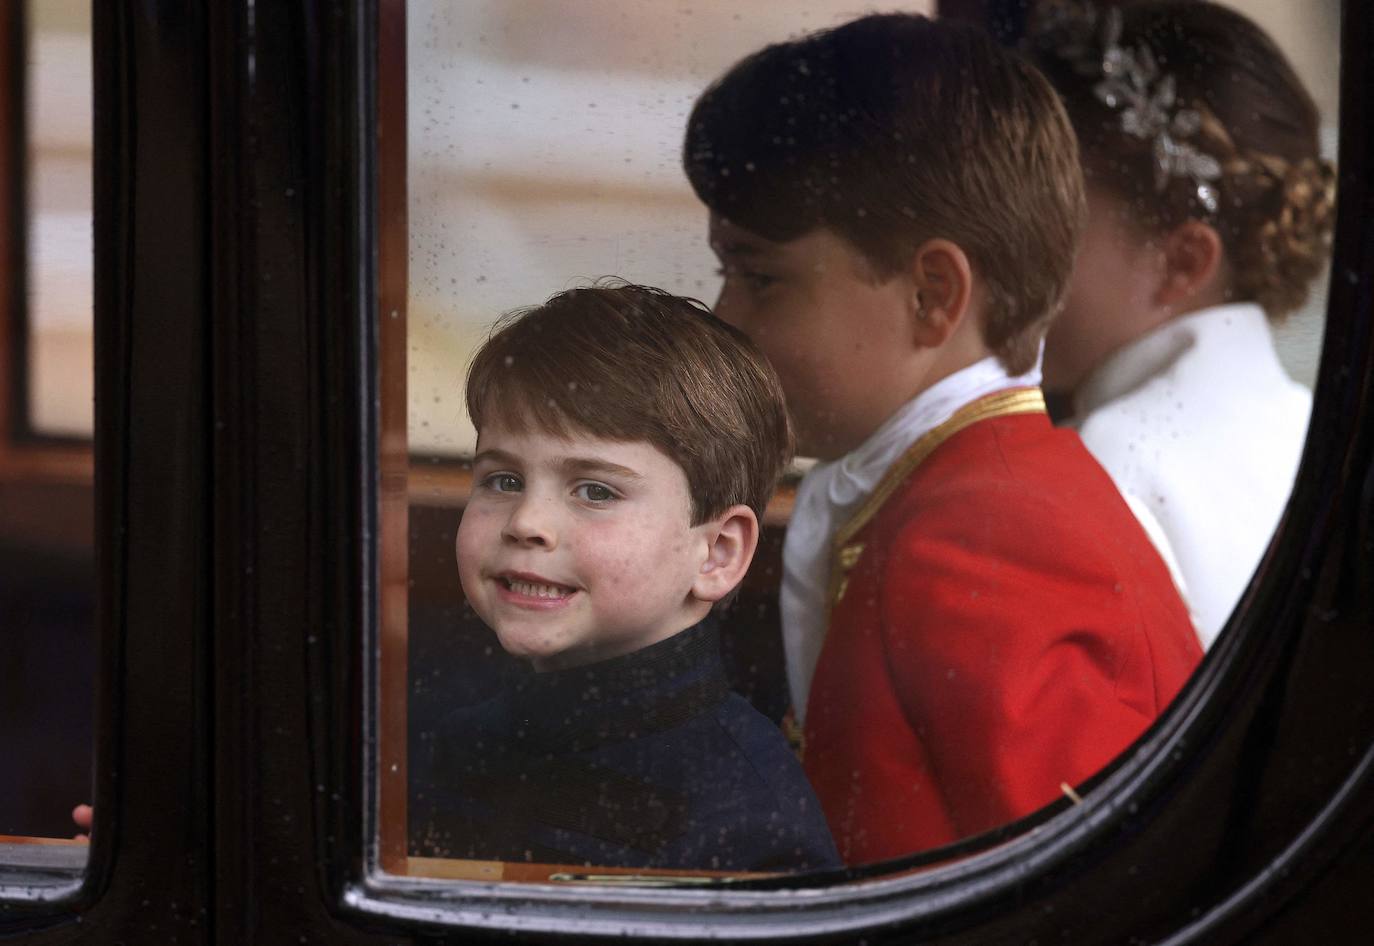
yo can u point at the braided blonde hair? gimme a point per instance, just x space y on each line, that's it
1281 237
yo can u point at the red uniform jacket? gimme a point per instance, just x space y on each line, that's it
1001 626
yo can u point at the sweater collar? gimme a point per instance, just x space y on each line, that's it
656 688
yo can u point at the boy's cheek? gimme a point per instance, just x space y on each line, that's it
468 548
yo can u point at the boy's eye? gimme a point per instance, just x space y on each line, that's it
595 493
503 483
752 279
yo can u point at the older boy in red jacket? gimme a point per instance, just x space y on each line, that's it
973 617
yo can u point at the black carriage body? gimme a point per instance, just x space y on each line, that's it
236 267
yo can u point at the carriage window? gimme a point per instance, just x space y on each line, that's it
527 151
46 384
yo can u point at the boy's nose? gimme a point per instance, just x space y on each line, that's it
531 523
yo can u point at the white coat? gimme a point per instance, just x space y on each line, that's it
1198 423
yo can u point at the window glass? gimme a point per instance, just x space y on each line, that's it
46 504
59 219
543 150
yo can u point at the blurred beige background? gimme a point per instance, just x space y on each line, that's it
543 152
544 143
60 291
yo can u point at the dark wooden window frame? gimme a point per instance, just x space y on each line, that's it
238 492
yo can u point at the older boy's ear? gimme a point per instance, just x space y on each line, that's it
943 280
1193 258
731 539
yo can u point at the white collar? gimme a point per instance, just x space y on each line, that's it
1151 354
832 492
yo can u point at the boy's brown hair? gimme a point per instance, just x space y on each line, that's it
895 129
634 363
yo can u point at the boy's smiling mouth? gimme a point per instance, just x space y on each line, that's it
533 588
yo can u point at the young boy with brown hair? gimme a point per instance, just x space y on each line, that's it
973 618
627 443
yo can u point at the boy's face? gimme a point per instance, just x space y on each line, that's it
839 338
581 549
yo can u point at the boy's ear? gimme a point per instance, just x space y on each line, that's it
1193 257
730 542
943 279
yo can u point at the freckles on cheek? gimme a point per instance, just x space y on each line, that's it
626 551
615 553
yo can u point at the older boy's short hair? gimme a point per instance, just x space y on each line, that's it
633 363
894 129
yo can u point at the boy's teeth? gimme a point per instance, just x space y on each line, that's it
534 590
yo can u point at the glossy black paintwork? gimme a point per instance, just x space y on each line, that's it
235 287
150 865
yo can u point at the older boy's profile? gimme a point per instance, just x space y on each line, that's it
627 444
973 616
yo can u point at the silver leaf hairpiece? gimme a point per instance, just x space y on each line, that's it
1131 83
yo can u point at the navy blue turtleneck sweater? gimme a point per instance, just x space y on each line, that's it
645 760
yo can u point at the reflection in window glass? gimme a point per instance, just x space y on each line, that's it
46 506
538 160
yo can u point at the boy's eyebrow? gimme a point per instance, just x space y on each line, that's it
496 456
572 466
568 466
